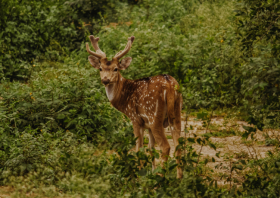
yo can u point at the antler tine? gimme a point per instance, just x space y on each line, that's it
94 42
120 54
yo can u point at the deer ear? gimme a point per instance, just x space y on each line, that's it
125 63
94 62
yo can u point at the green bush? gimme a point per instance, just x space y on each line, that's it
27 30
258 31
28 151
258 23
62 97
49 29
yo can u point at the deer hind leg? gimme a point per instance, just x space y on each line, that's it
152 146
176 130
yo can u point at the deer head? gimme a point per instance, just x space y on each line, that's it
109 70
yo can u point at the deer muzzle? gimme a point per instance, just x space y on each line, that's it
105 81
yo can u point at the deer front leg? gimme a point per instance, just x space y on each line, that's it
151 146
158 133
139 134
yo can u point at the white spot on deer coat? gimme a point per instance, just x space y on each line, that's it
156 108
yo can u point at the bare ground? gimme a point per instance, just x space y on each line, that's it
5 191
232 145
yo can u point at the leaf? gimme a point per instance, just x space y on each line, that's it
218 154
60 116
143 172
243 162
192 140
240 167
212 145
202 115
173 166
249 129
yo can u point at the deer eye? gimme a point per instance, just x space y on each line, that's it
116 69
100 69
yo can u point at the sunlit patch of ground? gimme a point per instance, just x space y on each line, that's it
5 191
228 142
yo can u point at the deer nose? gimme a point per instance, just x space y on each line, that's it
105 81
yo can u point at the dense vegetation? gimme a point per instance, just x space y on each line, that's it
58 130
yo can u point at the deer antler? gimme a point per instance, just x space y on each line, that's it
120 54
94 42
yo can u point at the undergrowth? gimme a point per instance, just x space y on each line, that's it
59 136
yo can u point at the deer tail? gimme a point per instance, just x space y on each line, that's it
170 99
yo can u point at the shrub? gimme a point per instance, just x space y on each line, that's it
35 30
67 97
258 31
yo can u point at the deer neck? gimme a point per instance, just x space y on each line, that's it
113 90
117 94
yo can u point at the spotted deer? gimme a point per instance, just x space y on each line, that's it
151 103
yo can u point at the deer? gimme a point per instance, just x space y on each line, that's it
151 103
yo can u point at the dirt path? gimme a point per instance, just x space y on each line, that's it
233 145
5 191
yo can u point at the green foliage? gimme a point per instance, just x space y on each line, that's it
59 136
28 28
222 133
65 97
259 23
258 32
241 155
88 16
26 152
49 29
263 179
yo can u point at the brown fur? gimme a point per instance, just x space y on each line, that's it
148 103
